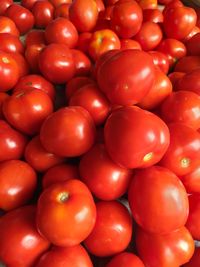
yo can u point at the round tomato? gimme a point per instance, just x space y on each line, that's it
125 259
11 43
190 78
187 64
82 62
153 15
7 25
22 63
43 12
32 54
4 5
191 181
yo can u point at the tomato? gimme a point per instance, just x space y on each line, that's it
22 63
135 138
169 250
90 98
192 33
193 47
18 228
194 261
165 2
161 89
68 132
27 110
3 96
9 71
7 25
58 3
102 41
32 54
149 35
153 15
10 43
60 173
28 3
43 12
125 259
12 142
187 64
83 14
37 82
75 256
22 17
4 5
183 154
160 60
105 179
130 44
126 77
183 107
191 181
175 77
179 22
34 37
56 63
148 4
82 62
149 188
190 78
62 11
61 31
17 184
126 18
83 41
74 204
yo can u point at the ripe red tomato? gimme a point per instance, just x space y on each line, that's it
112 231
28 3
105 179
22 63
61 31
62 11
130 44
193 45
147 4
175 77
126 76
4 5
60 173
135 138
82 63
34 37
187 64
32 54
160 60
83 14
10 43
126 18
18 228
153 15
43 12
83 41
191 34
56 63
7 25
57 3
17 184
190 78
125 259
68 132
74 204
75 256
149 188
194 261
27 110
191 181
12 142
169 250
183 154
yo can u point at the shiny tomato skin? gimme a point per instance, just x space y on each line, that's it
126 18
38 157
165 250
56 63
183 107
32 54
187 64
146 4
125 259
83 63
11 43
160 60
191 181
153 15
4 5
135 138
149 188
105 179
27 110
61 31
35 37
191 34
22 63
43 12
112 231
83 14
193 47
183 153
74 204
18 182
60 173
190 78
22 17
194 261
18 228
130 44
7 25
120 76
62 11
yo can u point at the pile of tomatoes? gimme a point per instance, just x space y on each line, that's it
99 133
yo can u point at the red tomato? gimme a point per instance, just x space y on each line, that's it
83 14
126 77
3 96
62 11
38 157
43 12
191 34
27 110
37 82
28 3
175 77
193 45
187 64
32 54
60 173
179 22
83 41
183 154
10 43
9 71
82 62
92 99
105 179
35 37
68 132
160 60
153 15
130 44
7 25
58 3
22 17
75 256
4 5
18 228
73 202
22 63
56 63
146 4
125 259
149 35
183 107
126 18
191 181
190 78
61 31
12 142
135 138
112 231
149 188
194 261
169 250
17 184
102 41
